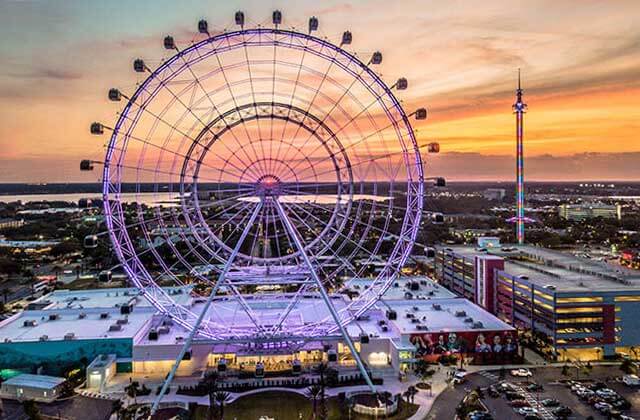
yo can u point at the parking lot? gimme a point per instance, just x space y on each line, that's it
552 388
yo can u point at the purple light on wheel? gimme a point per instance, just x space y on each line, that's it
271 116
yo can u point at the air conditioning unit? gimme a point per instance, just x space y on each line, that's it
44 338
104 315
69 336
115 327
53 317
30 323
153 335
460 314
437 307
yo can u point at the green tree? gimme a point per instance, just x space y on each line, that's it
31 410
221 398
132 390
210 384
313 394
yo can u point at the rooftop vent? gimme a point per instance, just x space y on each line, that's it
477 325
460 314
392 315
82 315
437 307
469 319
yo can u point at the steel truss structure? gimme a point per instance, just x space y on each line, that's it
267 165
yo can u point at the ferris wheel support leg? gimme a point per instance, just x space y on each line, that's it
205 309
325 296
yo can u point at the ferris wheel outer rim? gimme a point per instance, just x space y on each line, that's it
409 132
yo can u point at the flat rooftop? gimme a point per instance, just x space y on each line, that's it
455 314
563 270
106 298
427 289
35 381
83 324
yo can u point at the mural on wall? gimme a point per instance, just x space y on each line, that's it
57 356
483 346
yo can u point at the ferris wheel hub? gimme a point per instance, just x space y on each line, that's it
268 185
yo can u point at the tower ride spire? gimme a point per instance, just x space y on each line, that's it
519 108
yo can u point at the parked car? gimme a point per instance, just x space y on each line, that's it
527 410
519 403
621 404
511 396
550 402
603 407
479 415
522 373
534 387
532 417
631 380
493 392
562 412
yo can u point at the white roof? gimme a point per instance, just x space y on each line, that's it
35 381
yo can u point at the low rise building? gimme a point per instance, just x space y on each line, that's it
583 309
32 387
119 332
579 212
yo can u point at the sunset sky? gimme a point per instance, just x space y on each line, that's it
580 61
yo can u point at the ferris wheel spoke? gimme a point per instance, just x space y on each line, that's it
346 263
205 309
293 96
205 126
335 103
325 296
255 237
327 245
235 102
365 225
374 159
173 127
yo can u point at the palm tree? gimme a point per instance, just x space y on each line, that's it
413 391
144 412
132 390
407 395
313 393
210 383
322 370
221 398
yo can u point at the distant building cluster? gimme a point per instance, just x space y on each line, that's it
11 223
494 194
579 212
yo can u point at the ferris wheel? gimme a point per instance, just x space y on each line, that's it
262 164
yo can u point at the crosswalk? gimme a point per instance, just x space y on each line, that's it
98 395
533 402
543 411
489 375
